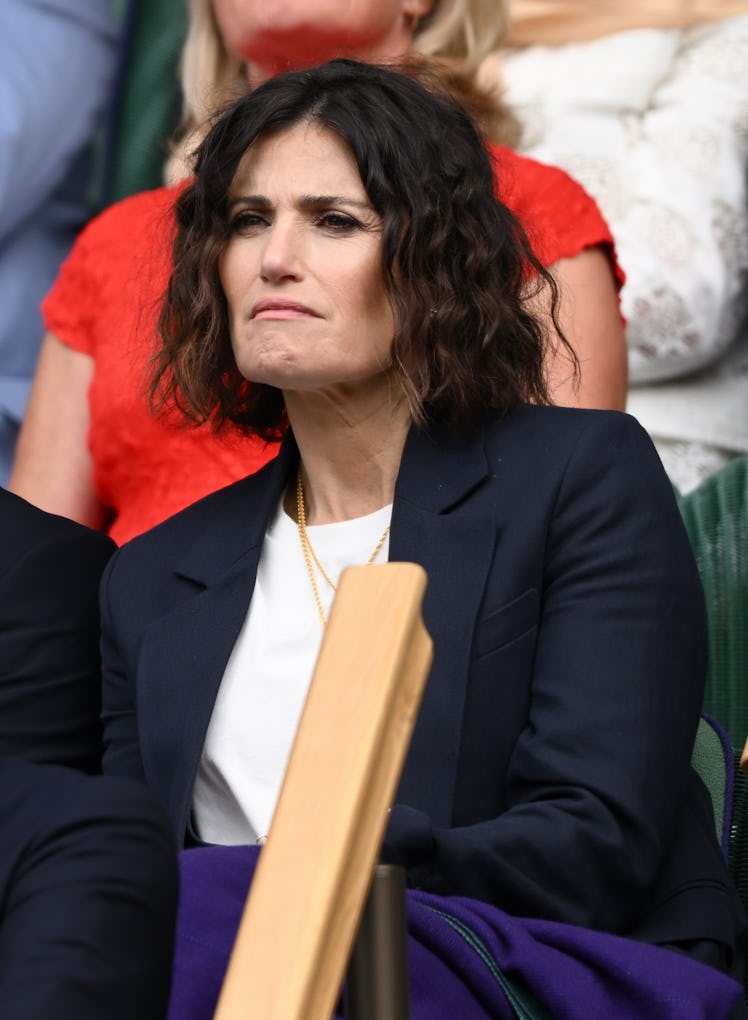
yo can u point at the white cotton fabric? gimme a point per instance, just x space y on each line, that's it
267 677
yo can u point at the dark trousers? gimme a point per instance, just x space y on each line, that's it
88 890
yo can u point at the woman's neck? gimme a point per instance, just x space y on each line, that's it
349 458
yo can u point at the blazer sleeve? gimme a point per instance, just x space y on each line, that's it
50 691
597 778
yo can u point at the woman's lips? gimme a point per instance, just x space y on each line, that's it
275 309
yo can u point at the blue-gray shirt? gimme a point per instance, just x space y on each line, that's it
57 61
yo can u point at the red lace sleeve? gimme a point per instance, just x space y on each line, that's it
130 238
561 219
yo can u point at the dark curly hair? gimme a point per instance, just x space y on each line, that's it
456 263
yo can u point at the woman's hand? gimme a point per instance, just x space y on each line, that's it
53 467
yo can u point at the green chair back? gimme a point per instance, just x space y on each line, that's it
738 852
714 761
716 518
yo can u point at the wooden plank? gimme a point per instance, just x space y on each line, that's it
313 875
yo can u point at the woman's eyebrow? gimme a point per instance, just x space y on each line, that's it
313 202
259 202
308 203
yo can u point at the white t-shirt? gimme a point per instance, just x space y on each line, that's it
267 677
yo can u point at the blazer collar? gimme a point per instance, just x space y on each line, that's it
440 469
245 508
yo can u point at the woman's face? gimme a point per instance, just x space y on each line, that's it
276 35
308 309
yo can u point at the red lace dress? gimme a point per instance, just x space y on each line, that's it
105 304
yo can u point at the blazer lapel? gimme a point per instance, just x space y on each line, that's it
184 654
182 660
436 523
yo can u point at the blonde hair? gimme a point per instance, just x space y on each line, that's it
461 33
457 35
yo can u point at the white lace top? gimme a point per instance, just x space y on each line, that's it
654 122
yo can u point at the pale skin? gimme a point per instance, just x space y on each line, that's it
309 314
53 466
590 320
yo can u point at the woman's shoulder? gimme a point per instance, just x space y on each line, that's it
562 427
203 544
120 261
130 217
138 226
561 218
232 510
522 181
26 528
588 450
533 447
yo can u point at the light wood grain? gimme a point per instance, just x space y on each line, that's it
314 873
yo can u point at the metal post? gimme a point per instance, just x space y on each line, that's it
376 986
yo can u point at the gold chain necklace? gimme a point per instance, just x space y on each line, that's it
309 553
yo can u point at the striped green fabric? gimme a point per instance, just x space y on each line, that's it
716 518
149 102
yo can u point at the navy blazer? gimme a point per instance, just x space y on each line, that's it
50 692
549 767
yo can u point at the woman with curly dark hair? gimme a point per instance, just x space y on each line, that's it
465 345
346 283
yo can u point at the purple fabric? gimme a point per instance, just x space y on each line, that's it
571 972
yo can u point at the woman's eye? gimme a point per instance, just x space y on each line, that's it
338 222
246 221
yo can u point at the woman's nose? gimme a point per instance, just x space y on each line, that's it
280 255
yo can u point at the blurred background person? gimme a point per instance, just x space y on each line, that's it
649 109
57 61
